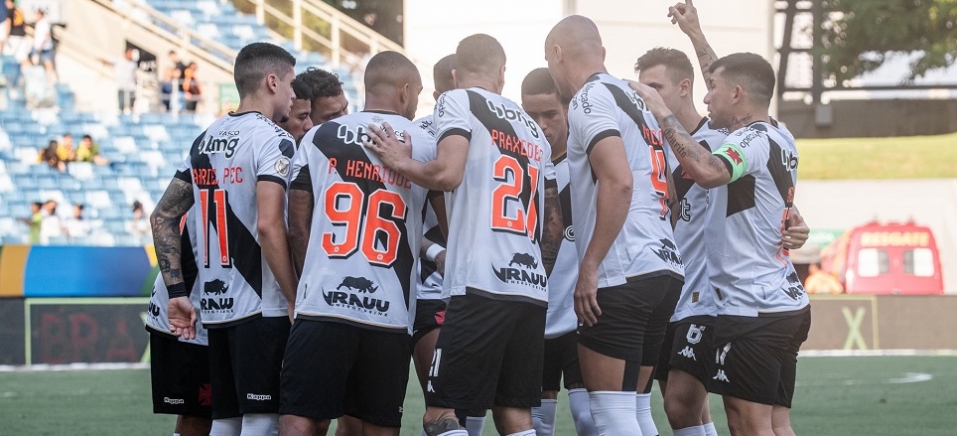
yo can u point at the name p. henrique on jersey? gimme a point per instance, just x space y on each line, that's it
366 224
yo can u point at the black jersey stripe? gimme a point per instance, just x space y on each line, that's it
328 142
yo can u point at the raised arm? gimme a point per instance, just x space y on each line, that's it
685 15
703 167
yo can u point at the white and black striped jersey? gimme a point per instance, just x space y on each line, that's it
690 215
157 317
495 215
429 283
360 263
561 318
226 162
750 270
606 107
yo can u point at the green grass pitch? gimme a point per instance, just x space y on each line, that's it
835 396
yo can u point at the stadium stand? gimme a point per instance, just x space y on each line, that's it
144 149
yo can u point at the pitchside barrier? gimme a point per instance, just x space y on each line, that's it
66 305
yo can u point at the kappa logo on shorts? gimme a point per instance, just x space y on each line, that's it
688 352
258 397
174 401
721 376
668 252
522 275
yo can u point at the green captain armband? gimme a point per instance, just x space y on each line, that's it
734 159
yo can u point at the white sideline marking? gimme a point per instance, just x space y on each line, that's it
73 367
909 377
875 353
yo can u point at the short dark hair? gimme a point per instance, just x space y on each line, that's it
257 60
752 72
86 137
538 82
676 63
442 73
37 204
303 91
80 206
479 53
321 83
389 68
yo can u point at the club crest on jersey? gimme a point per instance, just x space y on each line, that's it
522 270
282 166
509 114
226 146
668 252
215 304
346 296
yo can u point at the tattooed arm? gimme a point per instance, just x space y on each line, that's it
553 231
685 15
706 169
165 219
300 221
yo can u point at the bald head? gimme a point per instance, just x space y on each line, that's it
577 36
392 83
479 56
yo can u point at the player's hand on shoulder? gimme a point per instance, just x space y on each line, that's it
385 144
182 317
656 105
685 15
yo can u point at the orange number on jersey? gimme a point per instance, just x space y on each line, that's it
659 177
222 229
377 226
343 208
510 191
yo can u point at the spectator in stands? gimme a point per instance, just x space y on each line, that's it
34 221
51 225
66 151
50 156
125 78
329 102
90 152
14 35
43 50
172 75
191 87
140 225
77 226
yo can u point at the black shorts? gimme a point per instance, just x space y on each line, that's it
756 358
561 359
687 347
334 368
633 319
179 373
489 353
245 360
429 315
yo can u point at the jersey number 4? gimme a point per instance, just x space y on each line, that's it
659 178
347 206
507 168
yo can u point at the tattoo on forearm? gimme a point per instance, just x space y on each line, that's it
685 146
552 232
166 237
706 57
442 425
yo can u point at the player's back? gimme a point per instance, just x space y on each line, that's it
495 214
366 225
750 269
225 165
690 214
605 107
430 279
